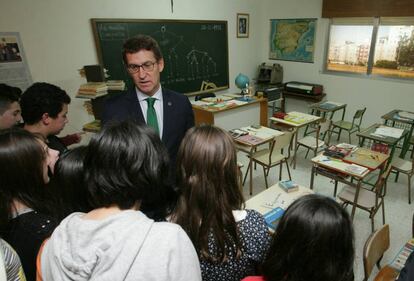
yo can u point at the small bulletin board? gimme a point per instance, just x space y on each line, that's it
195 52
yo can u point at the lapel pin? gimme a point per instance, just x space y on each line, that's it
169 103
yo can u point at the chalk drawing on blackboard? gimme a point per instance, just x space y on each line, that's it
200 65
193 50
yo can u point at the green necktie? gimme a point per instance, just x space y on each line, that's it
152 115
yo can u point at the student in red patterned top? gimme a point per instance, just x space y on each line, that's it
313 242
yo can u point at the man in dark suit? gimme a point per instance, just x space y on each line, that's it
168 112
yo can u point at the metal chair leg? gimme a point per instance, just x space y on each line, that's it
288 170
339 134
245 176
265 176
409 189
280 171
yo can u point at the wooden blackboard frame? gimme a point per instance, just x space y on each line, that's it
95 22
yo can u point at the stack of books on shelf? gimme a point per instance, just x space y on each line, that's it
88 106
92 90
115 85
93 127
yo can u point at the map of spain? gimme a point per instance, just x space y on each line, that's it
292 39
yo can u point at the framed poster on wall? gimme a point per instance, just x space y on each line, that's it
292 39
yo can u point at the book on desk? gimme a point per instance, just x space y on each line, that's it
272 218
250 139
366 158
288 186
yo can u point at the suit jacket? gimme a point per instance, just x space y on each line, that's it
178 116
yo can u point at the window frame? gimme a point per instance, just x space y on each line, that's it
376 23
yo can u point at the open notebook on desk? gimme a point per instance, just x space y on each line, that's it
366 158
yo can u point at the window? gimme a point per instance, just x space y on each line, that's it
372 46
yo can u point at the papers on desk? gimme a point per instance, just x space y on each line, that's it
217 99
406 115
201 103
281 200
232 95
263 133
330 105
384 131
236 102
356 169
299 118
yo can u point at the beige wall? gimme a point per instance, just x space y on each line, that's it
57 38
378 95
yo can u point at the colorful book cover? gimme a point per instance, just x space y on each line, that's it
288 185
272 218
250 139
402 256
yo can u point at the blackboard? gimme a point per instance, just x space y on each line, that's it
194 50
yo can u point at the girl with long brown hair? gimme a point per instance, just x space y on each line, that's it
230 241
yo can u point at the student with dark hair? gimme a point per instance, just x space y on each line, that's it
10 112
125 166
44 110
230 241
313 242
169 113
25 207
68 183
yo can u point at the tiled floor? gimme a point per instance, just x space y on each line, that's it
398 213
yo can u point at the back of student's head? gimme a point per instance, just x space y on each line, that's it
126 163
209 184
8 95
68 182
42 98
22 159
313 242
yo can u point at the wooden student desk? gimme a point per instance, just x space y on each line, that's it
333 168
328 107
393 119
368 134
232 116
266 135
274 197
303 120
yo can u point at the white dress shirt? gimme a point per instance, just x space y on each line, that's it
158 106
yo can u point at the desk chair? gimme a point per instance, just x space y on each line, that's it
274 155
374 249
240 166
350 127
406 167
368 200
317 142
